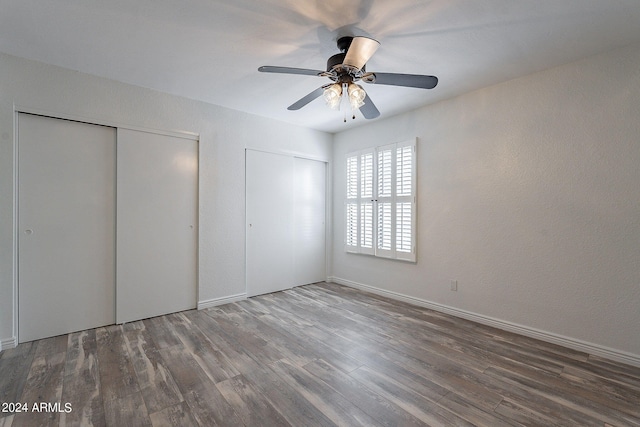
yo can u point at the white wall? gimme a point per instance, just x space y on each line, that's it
224 135
529 191
529 196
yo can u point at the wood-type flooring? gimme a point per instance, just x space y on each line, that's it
316 355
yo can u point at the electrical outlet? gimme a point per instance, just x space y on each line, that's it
454 285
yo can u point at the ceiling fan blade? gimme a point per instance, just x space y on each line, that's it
360 51
369 110
289 70
408 80
306 99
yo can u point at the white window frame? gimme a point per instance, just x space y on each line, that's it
373 197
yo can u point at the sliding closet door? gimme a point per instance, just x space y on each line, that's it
269 208
66 223
286 199
309 207
157 186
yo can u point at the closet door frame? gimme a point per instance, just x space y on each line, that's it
17 110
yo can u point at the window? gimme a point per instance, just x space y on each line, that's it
380 205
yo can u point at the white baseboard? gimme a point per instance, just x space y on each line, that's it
575 344
219 301
8 343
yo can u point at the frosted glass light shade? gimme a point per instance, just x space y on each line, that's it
333 95
356 95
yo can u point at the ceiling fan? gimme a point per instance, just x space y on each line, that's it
347 68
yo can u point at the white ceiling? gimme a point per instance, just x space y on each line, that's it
210 50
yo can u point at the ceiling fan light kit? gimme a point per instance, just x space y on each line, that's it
334 93
347 68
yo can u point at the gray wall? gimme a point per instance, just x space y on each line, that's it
529 196
224 135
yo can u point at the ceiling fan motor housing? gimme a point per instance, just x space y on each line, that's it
338 72
335 61
335 64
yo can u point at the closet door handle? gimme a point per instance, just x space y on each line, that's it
28 231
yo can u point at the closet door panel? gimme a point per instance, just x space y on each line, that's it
309 263
157 192
66 226
269 216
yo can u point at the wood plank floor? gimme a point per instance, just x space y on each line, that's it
316 355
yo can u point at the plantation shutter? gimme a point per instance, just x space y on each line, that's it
366 202
384 197
359 203
380 206
405 201
351 205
